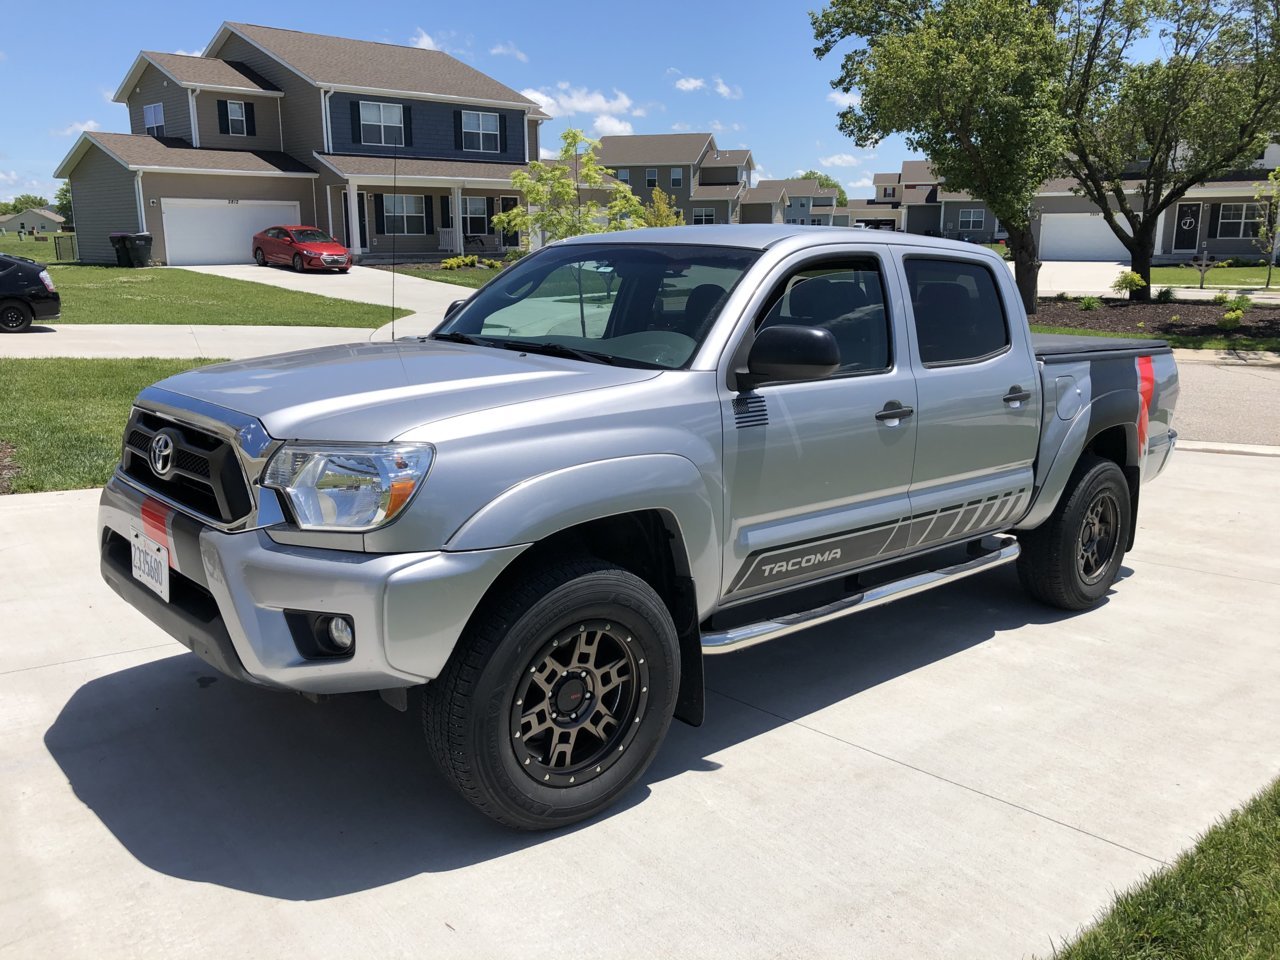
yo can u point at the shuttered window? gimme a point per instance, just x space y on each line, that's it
382 123
480 132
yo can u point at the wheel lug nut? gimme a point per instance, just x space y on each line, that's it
573 716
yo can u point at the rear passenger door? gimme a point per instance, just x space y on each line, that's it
978 404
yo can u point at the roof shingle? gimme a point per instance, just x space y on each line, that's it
657 148
143 152
209 72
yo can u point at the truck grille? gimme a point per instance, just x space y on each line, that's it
204 473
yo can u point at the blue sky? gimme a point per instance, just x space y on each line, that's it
750 78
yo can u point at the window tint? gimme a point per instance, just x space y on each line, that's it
958 313
845 297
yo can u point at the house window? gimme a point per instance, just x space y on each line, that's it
1239 220
153 119
475 216
890 192
651 177
815 223
677 177
235 118
480 131
704 215
623 176
404 213
971 219
382 123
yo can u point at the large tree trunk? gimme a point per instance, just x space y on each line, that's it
1143 249
1026 265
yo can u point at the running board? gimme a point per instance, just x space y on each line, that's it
1005 550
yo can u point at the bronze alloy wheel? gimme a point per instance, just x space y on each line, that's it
1098 537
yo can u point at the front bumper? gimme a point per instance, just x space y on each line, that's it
229 593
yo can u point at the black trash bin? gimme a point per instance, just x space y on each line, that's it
139 247
122 252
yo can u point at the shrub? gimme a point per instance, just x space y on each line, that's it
1128 281
491 264
1240 302
1177 317
1061 296
1090 303
1230 320
457 263
1165 295
1228 262
515 254
1221 299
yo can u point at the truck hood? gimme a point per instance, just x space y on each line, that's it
374 392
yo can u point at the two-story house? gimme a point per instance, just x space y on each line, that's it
703 181
807 202
272 126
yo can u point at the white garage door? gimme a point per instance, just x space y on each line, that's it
1079 236
216 231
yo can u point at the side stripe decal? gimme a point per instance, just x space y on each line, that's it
1146 387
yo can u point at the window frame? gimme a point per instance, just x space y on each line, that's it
1000 299
1242 220
153 129
231 119
623 176
650 177
676 177
480 132
403 215
968 212
703 211
465 214
890 192
382 124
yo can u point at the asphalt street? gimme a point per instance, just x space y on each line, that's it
1228 401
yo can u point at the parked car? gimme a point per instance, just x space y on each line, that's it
27 294
624 452
303 248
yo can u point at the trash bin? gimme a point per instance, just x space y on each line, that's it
139 247
122 252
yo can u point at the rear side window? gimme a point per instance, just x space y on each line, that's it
959 316
845 297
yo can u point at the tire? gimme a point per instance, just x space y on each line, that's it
15 317
494 719
297 263
259 257
1072 559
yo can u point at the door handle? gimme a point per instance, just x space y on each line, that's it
894 411
1016 395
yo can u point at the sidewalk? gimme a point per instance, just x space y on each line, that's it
158 340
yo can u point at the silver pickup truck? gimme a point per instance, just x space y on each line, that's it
626 452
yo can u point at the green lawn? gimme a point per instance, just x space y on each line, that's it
1271 344
61 420
1219 901
28 248
156 295
1217 277
473 277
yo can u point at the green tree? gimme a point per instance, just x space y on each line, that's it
27 201
659 211
1142 131
826 180
560 196
973 84
1268 192
62 200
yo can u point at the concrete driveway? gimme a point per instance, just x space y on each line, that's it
963 775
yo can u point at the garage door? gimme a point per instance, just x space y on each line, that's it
218 231
1079 236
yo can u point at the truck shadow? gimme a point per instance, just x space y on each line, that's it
207 780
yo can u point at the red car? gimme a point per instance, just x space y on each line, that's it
303 248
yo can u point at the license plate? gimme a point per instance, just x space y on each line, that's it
151 564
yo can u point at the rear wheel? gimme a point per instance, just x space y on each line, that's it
1072 559
259 257
14 317
557 697
297 262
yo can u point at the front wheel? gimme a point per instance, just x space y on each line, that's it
297 262
14 317
557 697
259 257
1072 559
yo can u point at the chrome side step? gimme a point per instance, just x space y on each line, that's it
1005 550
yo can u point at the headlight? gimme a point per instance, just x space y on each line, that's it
310 253
348 487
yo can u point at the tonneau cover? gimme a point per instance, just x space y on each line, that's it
1052 347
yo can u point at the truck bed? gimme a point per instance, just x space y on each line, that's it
1062 348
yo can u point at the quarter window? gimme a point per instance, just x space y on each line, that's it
651 177
1238 220
971 219
704 215
404 213
235 118
153 119
382 123
475 216
677 177
959 315
480 131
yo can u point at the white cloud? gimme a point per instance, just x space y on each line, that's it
840 160
509 49
544 100
423 41
843 100
680 127
82 126
716 126
189 53
860 184
567 100
689 84
10 177
639 112
107 94
607 125
546 153
726 91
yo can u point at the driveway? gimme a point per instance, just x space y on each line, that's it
1080 278
965 774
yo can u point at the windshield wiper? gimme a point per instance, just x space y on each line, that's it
559 350
454 337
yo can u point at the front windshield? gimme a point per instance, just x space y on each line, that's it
312 235
629 303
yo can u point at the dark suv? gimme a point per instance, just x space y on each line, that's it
27 294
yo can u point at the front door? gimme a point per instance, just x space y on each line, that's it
510 239
816 475
346 221
978 410
1186 229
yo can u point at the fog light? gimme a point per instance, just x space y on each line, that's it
341 635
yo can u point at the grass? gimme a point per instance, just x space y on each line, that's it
61 419
117 295
31 249
1218 901
1175 340
1229 277
474 277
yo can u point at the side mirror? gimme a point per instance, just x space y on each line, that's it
790 352
453 308
288 240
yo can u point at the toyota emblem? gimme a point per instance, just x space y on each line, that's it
161 454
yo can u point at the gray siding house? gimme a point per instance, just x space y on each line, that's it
704 182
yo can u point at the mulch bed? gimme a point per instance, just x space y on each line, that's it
1184 319
8 467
